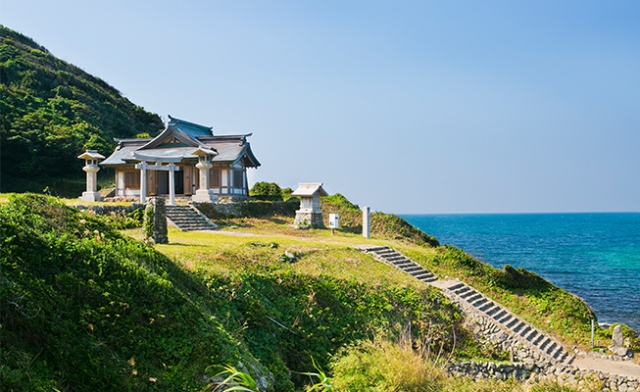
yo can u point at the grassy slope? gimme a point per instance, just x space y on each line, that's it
84 308
546 306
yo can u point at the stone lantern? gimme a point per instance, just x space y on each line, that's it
204 194
309 214
91 158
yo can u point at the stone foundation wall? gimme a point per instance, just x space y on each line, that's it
564 375
308 219
100 209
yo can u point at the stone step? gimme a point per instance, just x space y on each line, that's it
493 310
531 335
376 249
480 302
488 307
186 219
536 341
459 288
506 318
518 327
524 331
500 314
473 297
512 323
545 343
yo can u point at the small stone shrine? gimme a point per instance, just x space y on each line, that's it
91 158
309 214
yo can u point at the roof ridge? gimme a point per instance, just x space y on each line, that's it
178 121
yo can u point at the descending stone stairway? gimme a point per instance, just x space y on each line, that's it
399 261
521 330
471 301
186 218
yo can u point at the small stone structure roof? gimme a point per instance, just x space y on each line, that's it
182 139
90 154
310 189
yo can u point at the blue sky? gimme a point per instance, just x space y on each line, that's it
408 107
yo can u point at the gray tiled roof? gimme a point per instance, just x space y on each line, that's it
229 148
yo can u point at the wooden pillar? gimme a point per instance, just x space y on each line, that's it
143 181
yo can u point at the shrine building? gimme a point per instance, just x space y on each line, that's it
185 159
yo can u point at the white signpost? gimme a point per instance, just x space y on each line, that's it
333 222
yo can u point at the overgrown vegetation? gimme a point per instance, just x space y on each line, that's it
51 112
269 191
85 308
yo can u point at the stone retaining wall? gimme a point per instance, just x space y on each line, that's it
488 331
540 371
100 209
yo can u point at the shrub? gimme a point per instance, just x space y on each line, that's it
269 191
381 365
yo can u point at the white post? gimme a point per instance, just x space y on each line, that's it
143 181
365 222
172 184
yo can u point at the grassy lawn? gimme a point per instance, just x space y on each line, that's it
258 244
254 247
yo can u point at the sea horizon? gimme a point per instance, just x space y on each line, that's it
595 255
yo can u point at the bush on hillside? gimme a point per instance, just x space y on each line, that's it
269 191
84 308
381 224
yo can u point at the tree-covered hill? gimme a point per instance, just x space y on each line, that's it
52 111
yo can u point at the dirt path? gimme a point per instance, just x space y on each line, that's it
608 366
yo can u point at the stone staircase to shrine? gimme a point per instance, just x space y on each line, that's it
493 316
187 218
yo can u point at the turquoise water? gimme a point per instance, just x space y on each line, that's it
595 256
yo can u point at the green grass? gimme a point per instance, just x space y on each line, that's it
546 306
106 305
319 252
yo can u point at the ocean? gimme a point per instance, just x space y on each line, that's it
593 255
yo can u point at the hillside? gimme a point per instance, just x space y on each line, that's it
51 112
85 308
